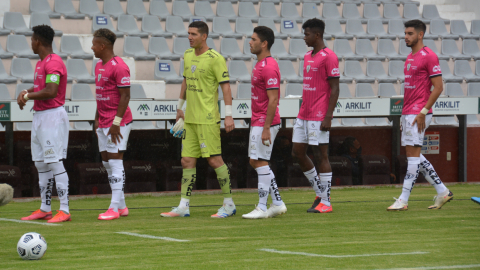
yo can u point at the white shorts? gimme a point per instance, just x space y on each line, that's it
305 131
410 134
105 142
257 149
50 135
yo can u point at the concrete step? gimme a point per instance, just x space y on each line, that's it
448 8
466 16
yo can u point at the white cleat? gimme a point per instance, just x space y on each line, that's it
398 205
276 210
256 214
441 199
177 212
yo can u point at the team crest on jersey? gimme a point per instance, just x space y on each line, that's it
193 68
408 66
308 68
99 77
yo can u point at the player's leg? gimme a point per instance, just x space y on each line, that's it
321 156
443 193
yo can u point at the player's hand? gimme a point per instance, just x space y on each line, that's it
180 115
266 138
114 131
20 100
326 124
177 129
229 124
420 120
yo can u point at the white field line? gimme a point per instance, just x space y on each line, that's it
339 256
31 222
437 267
154 237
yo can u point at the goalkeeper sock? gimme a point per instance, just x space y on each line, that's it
188 180
263 186
431 175
223 177
314 180
184 203
410 177
325 185
274 193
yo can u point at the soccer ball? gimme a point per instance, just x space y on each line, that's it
31 246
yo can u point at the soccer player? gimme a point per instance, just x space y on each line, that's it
50 125
265 122
113 117
422 70
321 78
204 70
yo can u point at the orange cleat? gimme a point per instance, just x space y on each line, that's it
322 208
60 217
39 214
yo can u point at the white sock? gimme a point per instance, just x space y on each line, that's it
431 175
228 201
274 193
410 177
45 182
61 181
314 180
184 203
325 185
263 186
116 182
121 204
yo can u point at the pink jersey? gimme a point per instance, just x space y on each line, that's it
265 76
419 68
108 78
317 70
50 70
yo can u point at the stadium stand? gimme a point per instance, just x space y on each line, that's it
133 47
42 18
66 8
136 8
22 69
113 8
42 6
376 170
128 25
159 8
18 45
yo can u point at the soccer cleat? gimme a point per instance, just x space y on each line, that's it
177 212
321 208
314 205
225 211
109 215
476 199
276 210
256 214
123 212
39 214
60 217
398 205
441 199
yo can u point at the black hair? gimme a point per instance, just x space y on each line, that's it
265 33
201 26
44 33
347 144
107 34
418 25
314 24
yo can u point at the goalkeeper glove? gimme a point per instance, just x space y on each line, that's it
177 129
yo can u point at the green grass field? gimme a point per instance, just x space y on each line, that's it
358 225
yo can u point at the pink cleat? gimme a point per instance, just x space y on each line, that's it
109 215
123 212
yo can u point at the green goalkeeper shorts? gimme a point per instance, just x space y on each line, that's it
201 140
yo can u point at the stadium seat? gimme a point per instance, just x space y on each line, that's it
294 90
271 24
289 11
454 90
211 44
136 8
83 126
89 8
431 44
42 18
376 170
4 77
333 28
449 47
390 12
405 51
77 70
396 69
244 26
18 45
57 52
22 86
410 12
142 125
447 75
22 126
22 69
352 122
92 179
222 27
355 28
14 21
364 47
386 49
137 92
180 45
386 90
350 12
245 9
12 175
287 72
462 69
133 47
330 12
402 89
81 91
342 49
439 30
158 46
229 49
475 27
344 91
300 68
473 90
396 27
164 70
375 27
204 9
180 8
246 49
458 27
445 121
128 25
470 47
244 91
364 90
42 6
151 25
289 27
268 10
310 10
72 46
113 8
174 25
371 12
297 48
4 93
102 21
278 51
65 7
159 8
238 71
430 12
375 70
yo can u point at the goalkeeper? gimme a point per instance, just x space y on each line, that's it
199 128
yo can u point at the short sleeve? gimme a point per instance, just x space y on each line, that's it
331 66
433 66
122 76
271 75
53 71
220 70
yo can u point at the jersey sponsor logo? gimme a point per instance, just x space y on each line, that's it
203 145
308 68
408 76
225 74
49 152
191 79
308 88
307 78
272 81
125 80
193 68
335 72
164 67
437 69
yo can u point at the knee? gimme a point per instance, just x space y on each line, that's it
215 162
41 166
186 163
